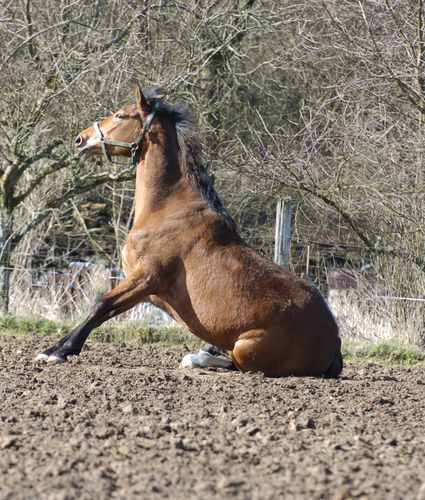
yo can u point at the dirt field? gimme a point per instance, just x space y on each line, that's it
126 422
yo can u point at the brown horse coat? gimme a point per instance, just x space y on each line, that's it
183 254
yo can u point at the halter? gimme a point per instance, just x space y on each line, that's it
132 146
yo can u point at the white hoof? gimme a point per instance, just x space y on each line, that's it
190 361
204 359
56 360
42 357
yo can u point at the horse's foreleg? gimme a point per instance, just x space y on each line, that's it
126 295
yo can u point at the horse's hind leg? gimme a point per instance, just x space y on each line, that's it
126 295
277 355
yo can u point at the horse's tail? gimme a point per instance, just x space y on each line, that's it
335 368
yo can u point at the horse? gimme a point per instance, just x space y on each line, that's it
184 254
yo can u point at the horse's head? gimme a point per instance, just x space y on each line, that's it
122 133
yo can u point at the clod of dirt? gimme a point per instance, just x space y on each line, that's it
7 441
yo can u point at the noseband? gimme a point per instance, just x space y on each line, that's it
132 146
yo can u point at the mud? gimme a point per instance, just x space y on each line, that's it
126 422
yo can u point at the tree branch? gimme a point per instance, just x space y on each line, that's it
41 175
84 185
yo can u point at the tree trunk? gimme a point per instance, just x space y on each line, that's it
6 227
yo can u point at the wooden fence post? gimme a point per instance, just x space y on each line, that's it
282 242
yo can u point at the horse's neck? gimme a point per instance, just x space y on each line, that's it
159 178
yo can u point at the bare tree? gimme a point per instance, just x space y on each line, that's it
322 101
351 144
50 59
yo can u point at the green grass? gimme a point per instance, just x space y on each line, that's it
133 332
138 332
388 352
32 325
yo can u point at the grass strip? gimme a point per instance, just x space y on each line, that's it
133 332
388 352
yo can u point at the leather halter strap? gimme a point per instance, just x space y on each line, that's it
132 146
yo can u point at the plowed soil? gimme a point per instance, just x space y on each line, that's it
127 422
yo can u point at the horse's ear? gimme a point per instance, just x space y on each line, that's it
141 102
160 94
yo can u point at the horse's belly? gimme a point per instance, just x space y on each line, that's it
164 306
221 297
213 315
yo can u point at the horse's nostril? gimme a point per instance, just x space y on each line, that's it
78 140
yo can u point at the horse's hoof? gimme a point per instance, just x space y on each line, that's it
204 359
189 361
42 357
56 360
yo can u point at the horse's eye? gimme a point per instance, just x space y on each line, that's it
119 116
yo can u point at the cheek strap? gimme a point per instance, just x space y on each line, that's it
132 146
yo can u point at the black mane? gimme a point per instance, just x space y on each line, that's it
187 134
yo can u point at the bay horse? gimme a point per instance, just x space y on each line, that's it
184 255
